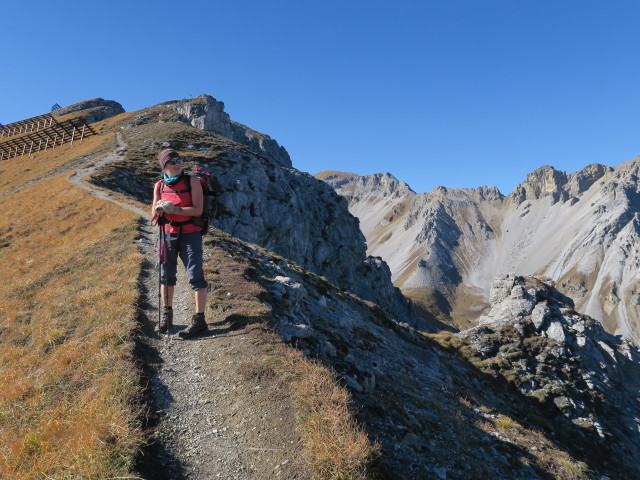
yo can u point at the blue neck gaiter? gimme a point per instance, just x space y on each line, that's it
171 179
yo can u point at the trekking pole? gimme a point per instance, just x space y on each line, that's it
160 268
164 260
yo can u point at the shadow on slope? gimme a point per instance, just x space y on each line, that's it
433 415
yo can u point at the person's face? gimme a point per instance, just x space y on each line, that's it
172 168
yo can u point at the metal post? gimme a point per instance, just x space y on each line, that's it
39 144
82 136
30 147
23 148
55 139
73 134
46 145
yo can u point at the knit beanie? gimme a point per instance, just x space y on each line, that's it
166 155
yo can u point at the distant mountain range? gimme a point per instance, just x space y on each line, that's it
445 246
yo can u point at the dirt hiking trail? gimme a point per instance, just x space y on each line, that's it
206 419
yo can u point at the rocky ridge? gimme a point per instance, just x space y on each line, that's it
264 200
206 113
582 230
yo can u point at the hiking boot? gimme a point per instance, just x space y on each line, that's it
166 320
197 325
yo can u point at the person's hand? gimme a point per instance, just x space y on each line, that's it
165 206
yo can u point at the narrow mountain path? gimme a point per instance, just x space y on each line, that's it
79 176
190 394
206 422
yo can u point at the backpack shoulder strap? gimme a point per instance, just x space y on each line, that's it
187 180
187 183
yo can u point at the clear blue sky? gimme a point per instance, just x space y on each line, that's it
459 93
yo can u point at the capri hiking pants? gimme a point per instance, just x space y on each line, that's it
189 247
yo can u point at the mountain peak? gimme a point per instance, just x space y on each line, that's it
542 182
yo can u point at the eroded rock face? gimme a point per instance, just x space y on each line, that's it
536 340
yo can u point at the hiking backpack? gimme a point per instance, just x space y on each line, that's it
211 189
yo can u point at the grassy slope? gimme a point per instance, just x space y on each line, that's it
67 312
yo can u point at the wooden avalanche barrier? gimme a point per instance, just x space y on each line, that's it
40 133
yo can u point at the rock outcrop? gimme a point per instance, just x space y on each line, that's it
588 380
581 230
92 110
206 113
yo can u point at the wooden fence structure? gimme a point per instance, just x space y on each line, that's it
24 126
40 133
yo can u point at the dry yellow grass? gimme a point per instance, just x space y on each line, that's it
66 315
336 445
18 171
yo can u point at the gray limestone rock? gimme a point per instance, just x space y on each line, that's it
206 113
93 110
556 332
554 354
540 314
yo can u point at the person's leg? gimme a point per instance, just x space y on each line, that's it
191 256
201 300
168 278
167 295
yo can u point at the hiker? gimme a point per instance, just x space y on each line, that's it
175 205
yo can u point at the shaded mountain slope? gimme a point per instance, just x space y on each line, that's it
441 409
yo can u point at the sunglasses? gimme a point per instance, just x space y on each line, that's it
173 162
